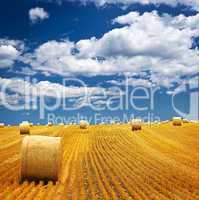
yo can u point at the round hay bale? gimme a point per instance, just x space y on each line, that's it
112 122
136 127
2 125
24 128
177 121
49 124
83 124
136 124
40 158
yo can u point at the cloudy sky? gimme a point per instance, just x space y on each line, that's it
58 47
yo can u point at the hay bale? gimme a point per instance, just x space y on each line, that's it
24 128
83 124
2 125
177 121
112 122
136 127
136 124
40 158
49 124
61 124
31 124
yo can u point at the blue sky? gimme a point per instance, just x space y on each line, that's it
53 48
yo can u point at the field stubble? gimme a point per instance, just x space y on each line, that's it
160 162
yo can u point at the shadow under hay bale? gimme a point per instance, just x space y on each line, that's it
40 158
136 127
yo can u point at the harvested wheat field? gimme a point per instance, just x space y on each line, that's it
109 162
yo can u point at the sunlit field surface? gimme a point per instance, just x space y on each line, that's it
110 162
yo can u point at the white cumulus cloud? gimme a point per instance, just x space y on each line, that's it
146 42
194 4
10 51
37 14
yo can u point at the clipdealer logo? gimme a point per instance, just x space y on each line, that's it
192 88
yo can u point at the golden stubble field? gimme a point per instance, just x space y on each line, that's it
110 162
